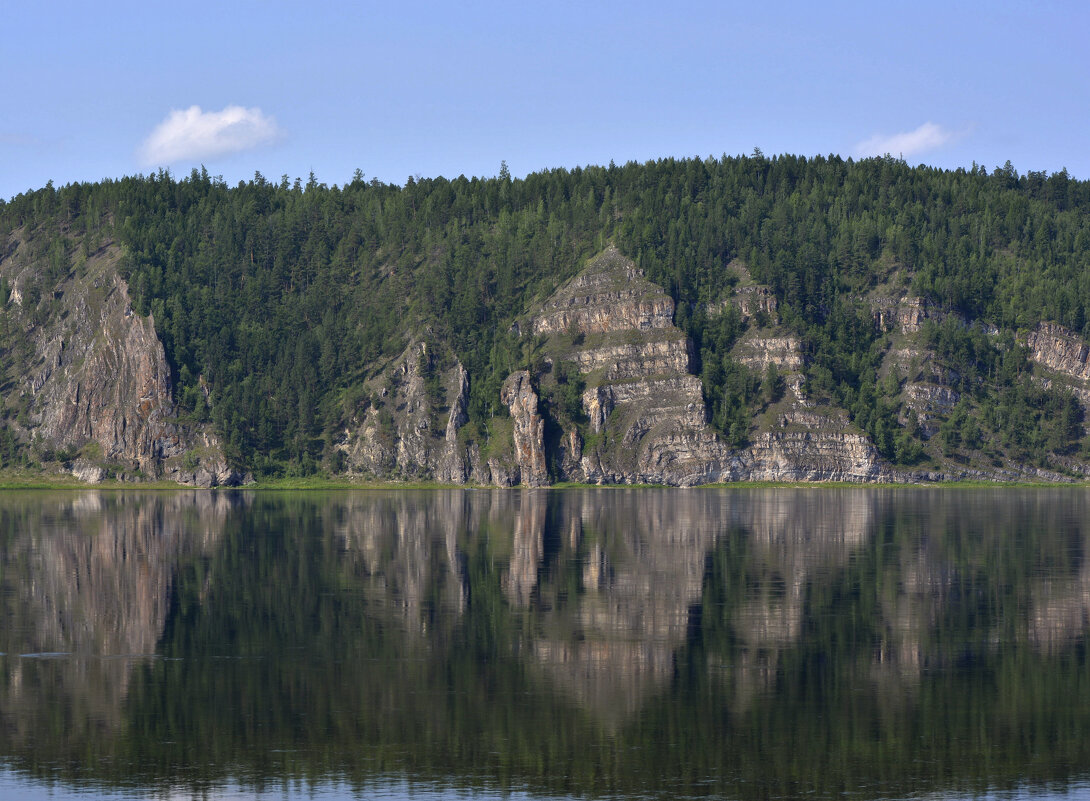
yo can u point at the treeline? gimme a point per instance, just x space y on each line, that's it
280 297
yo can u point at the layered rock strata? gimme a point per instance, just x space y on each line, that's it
611 294
1064 357
1058 349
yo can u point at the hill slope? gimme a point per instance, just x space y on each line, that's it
743 318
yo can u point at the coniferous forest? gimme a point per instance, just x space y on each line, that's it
283 296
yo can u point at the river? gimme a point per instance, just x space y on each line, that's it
872 643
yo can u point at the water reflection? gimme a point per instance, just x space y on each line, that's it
750 643
85 584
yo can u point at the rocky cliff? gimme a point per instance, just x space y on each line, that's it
1062 357
642 416
409 426
645 409
86 383
87 377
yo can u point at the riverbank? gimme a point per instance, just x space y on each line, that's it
27 480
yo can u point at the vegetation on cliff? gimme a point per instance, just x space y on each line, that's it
282 305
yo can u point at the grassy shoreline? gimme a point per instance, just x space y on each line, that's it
64 481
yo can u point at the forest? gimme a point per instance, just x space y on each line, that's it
283 296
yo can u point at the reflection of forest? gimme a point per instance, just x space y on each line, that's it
710 631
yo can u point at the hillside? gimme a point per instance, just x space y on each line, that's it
679 322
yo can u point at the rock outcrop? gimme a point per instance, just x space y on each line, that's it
643 404
93 378
638 413
1061 351
905 314
529 429
409 427
806 446
611 294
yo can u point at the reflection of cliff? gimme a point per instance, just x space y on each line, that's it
788 541
623 573
359 634
87 578
404 549
1060 611
951 548
527 545
795 535
635 561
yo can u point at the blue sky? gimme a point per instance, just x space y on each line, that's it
107 89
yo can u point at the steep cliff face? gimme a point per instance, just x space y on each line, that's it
611 294
927 386
796 438
1055 347
409 426
807 446
89 376
1063 356
528 429
646 417
396 432
638 414
644 408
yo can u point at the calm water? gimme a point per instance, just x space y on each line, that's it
749 644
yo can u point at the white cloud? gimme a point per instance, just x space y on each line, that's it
927 137
192 134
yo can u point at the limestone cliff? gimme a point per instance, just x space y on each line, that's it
88 377
642 417
612 398
645 409
1061 356
528 428
409 424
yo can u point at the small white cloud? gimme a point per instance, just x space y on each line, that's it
192 134
927 137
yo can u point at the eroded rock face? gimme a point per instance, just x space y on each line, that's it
454 466
114 390
809 447
97 378
1060 350
905 314
752 300
645 417
646 408
610 295
401 432
529 428
640 397
798 439
757 351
